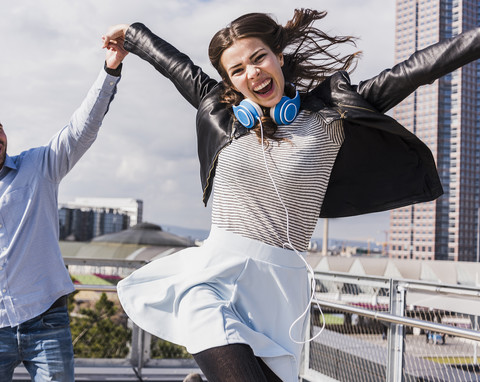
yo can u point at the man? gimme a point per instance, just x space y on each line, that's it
34 282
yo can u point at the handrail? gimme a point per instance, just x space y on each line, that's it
96 288
124 263
442 289
406 283
375 281
383 316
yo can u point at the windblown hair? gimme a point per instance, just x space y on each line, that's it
309 55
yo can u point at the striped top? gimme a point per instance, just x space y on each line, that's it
245 199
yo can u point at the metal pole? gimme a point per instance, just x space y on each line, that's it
325 238
406 321
396 334
478 235
475 356
475 351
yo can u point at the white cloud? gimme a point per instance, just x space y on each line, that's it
146 148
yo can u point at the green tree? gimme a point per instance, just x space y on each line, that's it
164 349
100 332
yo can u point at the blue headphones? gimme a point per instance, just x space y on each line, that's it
284 112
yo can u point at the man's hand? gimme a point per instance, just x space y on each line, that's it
113 42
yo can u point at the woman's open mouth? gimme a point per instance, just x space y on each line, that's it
264 88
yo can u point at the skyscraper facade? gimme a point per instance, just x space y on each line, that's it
85 218
445 115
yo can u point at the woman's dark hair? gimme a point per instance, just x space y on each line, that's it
308 52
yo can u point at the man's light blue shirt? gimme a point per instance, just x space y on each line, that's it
32 271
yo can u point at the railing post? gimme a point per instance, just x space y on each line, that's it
396 337
475 344
140 352
305 366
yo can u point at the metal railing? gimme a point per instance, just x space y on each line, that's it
376 329
379 329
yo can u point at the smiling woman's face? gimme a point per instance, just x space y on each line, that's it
255 71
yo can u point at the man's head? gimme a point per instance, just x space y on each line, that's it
3 146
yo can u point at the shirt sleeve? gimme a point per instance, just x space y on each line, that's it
72 141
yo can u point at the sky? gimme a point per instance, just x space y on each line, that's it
146 149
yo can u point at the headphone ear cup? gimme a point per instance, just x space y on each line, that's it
285 112
247 113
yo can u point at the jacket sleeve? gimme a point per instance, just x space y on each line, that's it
392 86
189 79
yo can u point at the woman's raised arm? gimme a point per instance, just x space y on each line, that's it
189 79
392 86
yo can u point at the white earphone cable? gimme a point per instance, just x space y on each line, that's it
290 245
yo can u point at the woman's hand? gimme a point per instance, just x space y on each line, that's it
114 35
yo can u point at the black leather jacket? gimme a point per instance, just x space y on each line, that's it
380 165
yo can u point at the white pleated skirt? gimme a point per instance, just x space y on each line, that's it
229 290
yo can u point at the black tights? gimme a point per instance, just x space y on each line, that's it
234 363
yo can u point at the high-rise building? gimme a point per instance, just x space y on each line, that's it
445 115
85 218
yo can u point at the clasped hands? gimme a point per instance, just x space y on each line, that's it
113 41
